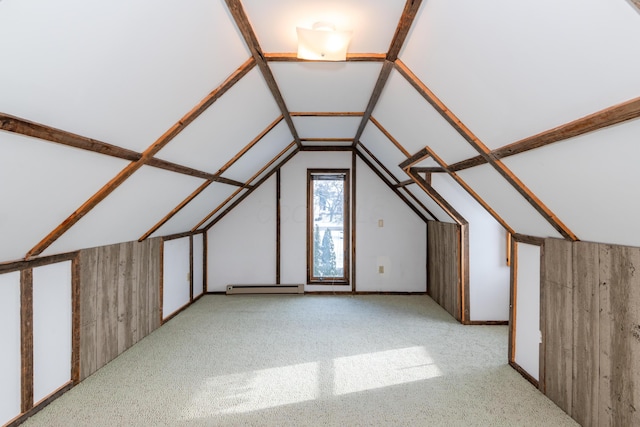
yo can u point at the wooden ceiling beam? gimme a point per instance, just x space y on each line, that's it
389 136
125 173
394 181
404 24
249 145
58 136
614 115
436 197
392 187
351 57
257 184
327 148
469 190
36 130
483 150
250 38
409 13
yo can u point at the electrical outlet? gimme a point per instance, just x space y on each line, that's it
380 223
381 269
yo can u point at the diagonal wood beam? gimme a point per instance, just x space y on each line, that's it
351 57
257 184
409 13
394 180
146 156
200 189
404 24
393 188
389 136
375 96
250 38
441 201
484 151
614 115
254 177
469 190
58 136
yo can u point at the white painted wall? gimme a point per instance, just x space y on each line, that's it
242 246
198 265
400 245
293 214
10 364
527 319
51 328
176 285
488 271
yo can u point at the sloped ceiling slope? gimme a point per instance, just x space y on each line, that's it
142 118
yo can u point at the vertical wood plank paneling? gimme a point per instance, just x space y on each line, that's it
619 335
26 342
443 266
605 407
586 280
154 277
142 256
558 326
107 303
126 294
88 311
75 322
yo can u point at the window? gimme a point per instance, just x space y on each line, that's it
328 226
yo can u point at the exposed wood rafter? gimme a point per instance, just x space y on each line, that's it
258 184
469 190
390 137
484 151
200 189
406 20
250 38
393 188
394 180
58 136
614 115
146 156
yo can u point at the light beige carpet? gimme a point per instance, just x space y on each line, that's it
309 361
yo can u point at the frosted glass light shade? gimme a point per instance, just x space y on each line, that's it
323 43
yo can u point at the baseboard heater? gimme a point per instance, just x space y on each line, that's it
265 289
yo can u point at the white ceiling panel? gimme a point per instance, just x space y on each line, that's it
390 178
274 165
115 71
414 123
321 86
428 202
373 22
589 182
42 184
221 210
198 208
327 127
427 163
507 202
130 211
225 127
384 150
260 154
511 69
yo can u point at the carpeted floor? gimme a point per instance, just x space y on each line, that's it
309 361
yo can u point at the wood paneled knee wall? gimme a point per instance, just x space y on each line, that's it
590 323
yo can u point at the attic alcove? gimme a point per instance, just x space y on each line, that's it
144 167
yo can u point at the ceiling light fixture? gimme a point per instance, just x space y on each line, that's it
323 43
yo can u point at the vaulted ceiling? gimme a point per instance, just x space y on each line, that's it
127 119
